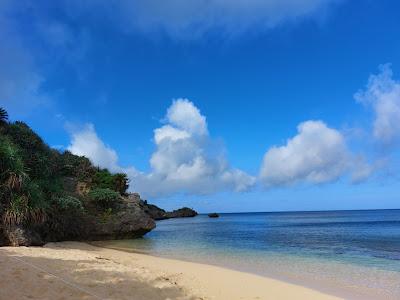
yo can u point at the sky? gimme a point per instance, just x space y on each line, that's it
228 106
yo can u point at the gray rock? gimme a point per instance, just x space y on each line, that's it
2 238
130 221
18 235
213 215
184 212
127 221
157 213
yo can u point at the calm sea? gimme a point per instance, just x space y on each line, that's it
355 254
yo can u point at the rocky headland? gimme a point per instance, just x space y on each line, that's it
47 195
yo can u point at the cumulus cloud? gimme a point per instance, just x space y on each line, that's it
186 159
317 154
382 93
194 18
85 142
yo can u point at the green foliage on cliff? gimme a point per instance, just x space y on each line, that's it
33 176
116 182
104 198
68 203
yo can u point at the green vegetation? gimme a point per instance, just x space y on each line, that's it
3 115
38 184
116 182
68 203
104 198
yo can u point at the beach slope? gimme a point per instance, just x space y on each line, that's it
72 270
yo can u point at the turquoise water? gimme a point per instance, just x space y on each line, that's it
355 254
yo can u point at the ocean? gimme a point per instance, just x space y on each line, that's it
353 254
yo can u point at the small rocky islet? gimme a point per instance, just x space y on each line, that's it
213 215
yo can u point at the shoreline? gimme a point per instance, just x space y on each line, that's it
84 271
343 288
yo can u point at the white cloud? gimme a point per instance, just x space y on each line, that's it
317 154
191 19
186 160
183 114
85 142
362 170
382 93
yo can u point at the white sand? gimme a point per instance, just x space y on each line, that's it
72 270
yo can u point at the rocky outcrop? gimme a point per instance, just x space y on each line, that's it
21 236
2 238
157 213
130 221
131 218
154 211
213 215
184 212
74 187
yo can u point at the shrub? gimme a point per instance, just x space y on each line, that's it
105 180
66 219
37 156
26 206
120 181
10 159
102 179
68 203
75 166
104 198
22 199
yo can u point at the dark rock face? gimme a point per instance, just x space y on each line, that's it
184 212
21 236
213 215
132 218
157 213
2 238
131 221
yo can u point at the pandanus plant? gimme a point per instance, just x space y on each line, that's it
20 198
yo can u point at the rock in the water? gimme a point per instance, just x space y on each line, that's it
184 212
157 213
213 215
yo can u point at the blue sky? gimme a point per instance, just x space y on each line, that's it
219 105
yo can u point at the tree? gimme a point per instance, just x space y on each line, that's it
3 115
121 183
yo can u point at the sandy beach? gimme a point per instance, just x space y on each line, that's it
72 270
